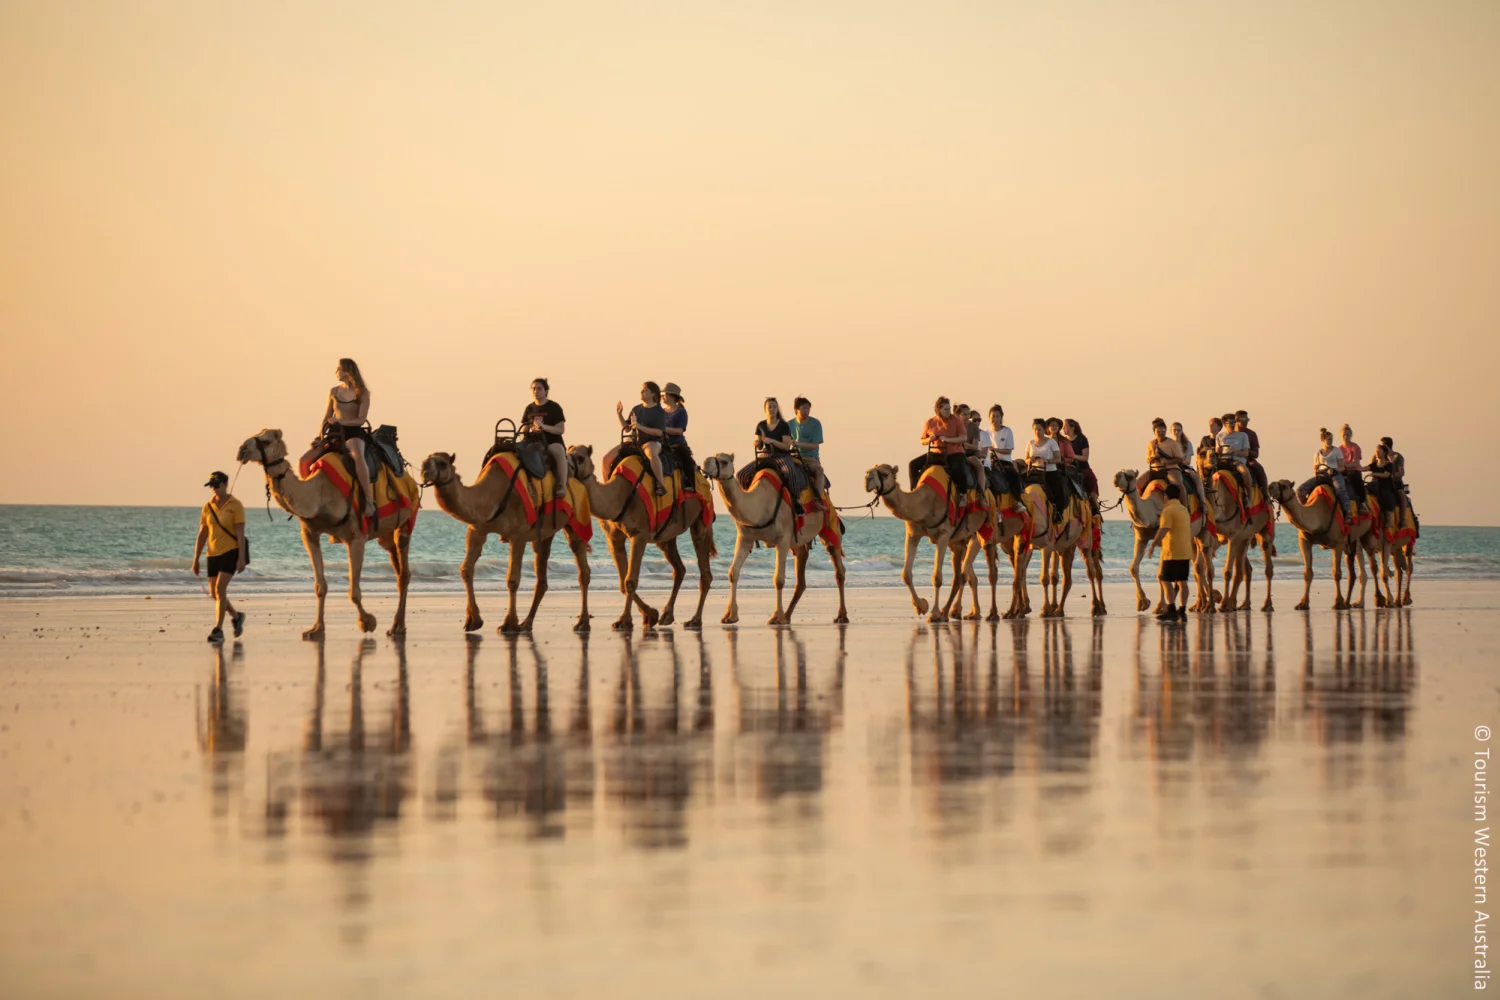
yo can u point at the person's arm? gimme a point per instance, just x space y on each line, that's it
201 541
650 432
1161 534
239 539
676 432
620 414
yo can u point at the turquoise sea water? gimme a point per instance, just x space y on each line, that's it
143 549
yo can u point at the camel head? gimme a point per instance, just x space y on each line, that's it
882 479
267 448
581 462
1125 480
720 467
1283 492
440 469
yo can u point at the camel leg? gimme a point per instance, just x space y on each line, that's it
513 584
473 546
649 617
939 610
1339 601
541 554
1096 581
618 541
992 556
1265 551
800 556
679 572
701 547
1020 604
397 544
910 557
356 547
314 546
1307 570
783 549
1142 602
585 574
1232 575
1247 574
953 607
742 547
842 618
971 578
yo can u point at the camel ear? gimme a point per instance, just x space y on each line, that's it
588 450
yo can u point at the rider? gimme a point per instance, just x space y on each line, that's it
542 424
1164 458
807 433
1354 458
1234 444
677 423
648 424
773 440
344 425
1328 461
998 445
1073 432
972 434
1383 479
1067 459
1242 421
1398 479
1181 438
947 435
1042 455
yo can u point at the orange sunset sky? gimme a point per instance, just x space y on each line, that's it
1105 210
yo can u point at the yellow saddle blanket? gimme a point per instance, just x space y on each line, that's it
392 495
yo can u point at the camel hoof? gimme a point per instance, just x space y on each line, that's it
396 630
1406 602
622 625
650 618
1143 604
842 618
921 606
1225 608
776 620
936 617
972 616
316 632
1267 607
993 616
509 627
1353 605
1218 597
367 622
1300 606
694 624
525 627
732 618
666 619
1246 605
473 624
583 625
1157 609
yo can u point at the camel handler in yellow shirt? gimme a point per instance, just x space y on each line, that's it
221 527
1176 533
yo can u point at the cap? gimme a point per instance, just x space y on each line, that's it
216 478
672 389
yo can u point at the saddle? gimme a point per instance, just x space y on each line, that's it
670 462
793 477
531 454
386 449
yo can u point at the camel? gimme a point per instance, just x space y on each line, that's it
492 506
760 515
1239 533
925 512
1006 538
323 509
1057 548
1316 525
1145 519
1378 545
625 519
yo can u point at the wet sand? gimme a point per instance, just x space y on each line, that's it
1253 805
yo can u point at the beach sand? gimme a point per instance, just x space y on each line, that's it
1248 805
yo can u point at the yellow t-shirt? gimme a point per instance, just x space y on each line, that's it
1179 524
220 522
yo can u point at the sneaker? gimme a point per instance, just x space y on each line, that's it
239 624
1181 614
1166 614
217 635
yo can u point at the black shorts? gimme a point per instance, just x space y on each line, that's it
542 438
225 563
1174 571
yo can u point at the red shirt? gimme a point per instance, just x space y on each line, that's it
953 427
1353 456
1068 454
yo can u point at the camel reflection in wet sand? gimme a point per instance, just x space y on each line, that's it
974 723
1362 692
353 780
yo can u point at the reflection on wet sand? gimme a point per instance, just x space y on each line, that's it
353 780
781 731
224 728
1364 690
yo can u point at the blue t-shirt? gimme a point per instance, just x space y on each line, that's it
808 434
677 420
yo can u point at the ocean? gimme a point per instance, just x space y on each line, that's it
102 550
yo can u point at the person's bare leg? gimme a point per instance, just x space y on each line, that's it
653 452
560 466
357 449
221 591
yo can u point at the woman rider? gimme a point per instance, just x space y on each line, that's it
1328 461
344 423
648 423
677 423
944 433
1164 459
998 446
1075 436
1383 479
543 423
1042 455
773 441
1354 458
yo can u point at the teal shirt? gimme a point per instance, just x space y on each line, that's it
807 434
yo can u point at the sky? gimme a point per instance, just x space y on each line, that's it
1109 211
